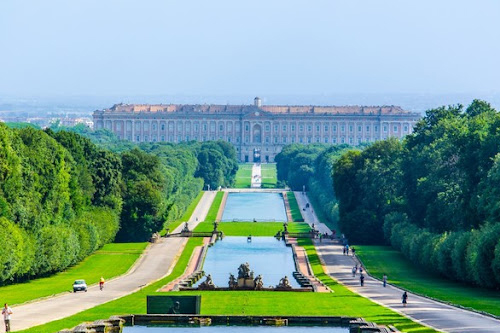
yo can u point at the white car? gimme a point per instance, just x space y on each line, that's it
79 285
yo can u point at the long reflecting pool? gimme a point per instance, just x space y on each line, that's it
258 329
248 206
266 255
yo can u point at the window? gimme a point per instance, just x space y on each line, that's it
212 126
351 141
292 127
309 128
204 128
179 126
375 128
154 138
326 128
247 127
276 128
228 139
162 127
326 140
317 139
154 126
196 127
275 139
293 139
145 138
385 128
238 139
283 128
247 139
334 140
170 126
171 138
301 140
187 138
334 128
221 127
342 128
284 139
138 138
309 139
129 126
179 139
359 128
317 128
342 140
138 126
268 128
301 128
267 139
351 128
368 128
395 129
163 138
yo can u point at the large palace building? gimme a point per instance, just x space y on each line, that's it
257 131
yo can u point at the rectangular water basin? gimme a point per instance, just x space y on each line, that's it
251 206
267 256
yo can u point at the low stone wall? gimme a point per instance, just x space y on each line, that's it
115 323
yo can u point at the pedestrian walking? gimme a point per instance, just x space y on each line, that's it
101 283
353 250
360 269
362 280
354 269
343 250
384 280
347 249
404 299
6 311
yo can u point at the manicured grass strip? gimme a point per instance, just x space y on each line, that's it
110 261
347 303
401 272
294 207
243 176
187 215
269 175
133 303
214 209
253 228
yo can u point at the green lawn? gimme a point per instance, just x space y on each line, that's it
214 209
340 303
253 228
187 215
244 175
269 175
294 207
110 261
401 272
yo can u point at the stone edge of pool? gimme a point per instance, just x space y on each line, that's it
115 323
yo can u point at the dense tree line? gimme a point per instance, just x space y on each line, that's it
435 195
311 166
62 196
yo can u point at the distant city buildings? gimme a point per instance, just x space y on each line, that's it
257 131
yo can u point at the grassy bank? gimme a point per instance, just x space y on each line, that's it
133 303
269 175
253 228
214 208
187 215
244 175
401 272
110 261
294 207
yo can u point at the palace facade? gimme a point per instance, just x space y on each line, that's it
257 131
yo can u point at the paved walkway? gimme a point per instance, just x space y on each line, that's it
308 214
256 176
155 263
438 315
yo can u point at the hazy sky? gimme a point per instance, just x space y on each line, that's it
256 47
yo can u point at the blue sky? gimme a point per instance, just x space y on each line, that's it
109 47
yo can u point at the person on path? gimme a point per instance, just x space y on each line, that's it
362 280
360 269
384 280
347 249
343 250
101 283
353 250
354 269
404 299
6 311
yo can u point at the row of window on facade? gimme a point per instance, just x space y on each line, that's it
275 140
284 127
